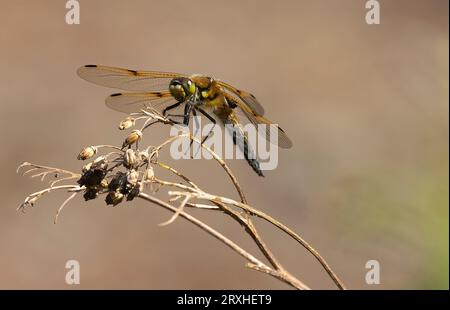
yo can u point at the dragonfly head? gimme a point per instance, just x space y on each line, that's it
181 88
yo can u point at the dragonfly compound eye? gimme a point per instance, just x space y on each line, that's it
177 90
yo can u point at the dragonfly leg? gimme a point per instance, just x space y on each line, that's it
187 112
186 116
170 107
212 121
197 127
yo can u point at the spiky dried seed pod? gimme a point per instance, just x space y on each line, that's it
132 138
127 123
87 152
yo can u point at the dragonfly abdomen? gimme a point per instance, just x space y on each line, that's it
241 140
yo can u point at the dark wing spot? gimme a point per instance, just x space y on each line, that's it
90 66
158 94
116 94
134 72
253 96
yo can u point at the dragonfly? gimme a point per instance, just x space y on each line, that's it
193 94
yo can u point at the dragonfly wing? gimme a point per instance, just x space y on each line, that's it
245 97
126 79
134 102
243 112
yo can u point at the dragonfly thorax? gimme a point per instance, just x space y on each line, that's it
207 86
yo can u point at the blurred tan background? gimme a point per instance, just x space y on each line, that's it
366 107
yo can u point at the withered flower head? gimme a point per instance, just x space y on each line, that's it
92 177
118 182
87 152
130 159
126 123
132 138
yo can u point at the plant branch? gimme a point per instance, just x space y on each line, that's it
254 262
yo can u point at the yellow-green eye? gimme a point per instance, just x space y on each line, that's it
191 87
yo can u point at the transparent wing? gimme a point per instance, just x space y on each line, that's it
134 102
245 97
244 115
127 79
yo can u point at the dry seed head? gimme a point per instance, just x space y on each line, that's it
132 177
126 123
87 152
132 138
149 174
130 158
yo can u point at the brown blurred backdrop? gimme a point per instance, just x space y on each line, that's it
366 107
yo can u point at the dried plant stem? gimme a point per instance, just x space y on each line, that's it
246 221
254 263
266 217
301 241
250 228
103 177
225 167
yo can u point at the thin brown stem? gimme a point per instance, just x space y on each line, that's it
254 262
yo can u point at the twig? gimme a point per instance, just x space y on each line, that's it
254 262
